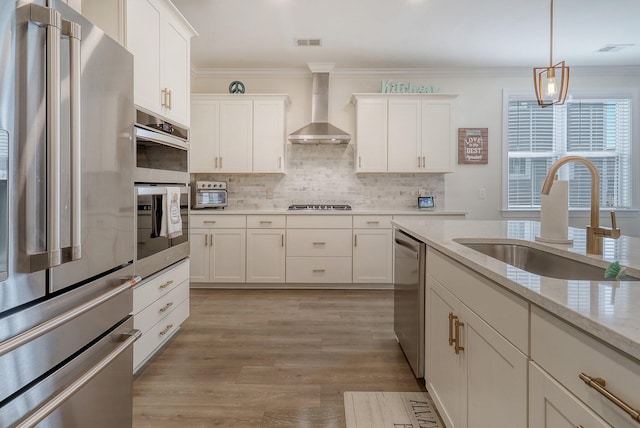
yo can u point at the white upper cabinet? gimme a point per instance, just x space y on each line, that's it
404 133
238 133
159 38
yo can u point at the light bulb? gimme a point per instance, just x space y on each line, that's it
552 87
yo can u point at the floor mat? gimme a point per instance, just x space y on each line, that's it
390 410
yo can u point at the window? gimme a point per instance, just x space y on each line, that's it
598 129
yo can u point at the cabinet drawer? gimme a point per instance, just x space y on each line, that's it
565 352
266 221
145 347
319 269
159 285
161 308
327 221
215 221
483 296
319 242
372 221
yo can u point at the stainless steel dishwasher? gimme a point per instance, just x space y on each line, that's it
408 298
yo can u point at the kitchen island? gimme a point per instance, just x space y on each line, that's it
518 342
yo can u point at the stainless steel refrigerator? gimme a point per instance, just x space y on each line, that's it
66 220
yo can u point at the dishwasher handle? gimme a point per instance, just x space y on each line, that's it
409 247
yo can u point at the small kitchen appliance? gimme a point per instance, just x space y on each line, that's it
209 194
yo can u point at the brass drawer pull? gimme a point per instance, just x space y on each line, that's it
265 222
458 348
451 318
318 270
166 284
209 221
319 243
165 307
599 385
166 330
373 222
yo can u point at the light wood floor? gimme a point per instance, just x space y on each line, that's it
272 358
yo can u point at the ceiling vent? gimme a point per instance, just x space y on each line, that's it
308 42
615 47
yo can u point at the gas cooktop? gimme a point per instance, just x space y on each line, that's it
320 207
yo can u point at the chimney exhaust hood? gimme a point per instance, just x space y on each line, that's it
320 131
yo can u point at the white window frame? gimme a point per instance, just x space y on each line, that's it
616 93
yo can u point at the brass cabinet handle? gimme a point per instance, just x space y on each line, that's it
166 330
319 270
451 318
220 162
279 162
423 162
266 222
419 163
216 162
165 307
359 161
373 222
205 239
163 95
166 284
458 348
170 102
282 240
599 385
319 243
355 240
209 221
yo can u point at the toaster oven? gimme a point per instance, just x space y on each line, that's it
209 194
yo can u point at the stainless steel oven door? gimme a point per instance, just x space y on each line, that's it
154 251
160 158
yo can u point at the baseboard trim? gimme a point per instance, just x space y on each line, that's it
291 286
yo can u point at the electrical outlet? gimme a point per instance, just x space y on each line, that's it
482 193
269 193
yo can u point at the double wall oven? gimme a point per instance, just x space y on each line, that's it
161 170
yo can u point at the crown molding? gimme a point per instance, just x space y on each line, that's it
460 72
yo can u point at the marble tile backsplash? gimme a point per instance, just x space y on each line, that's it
325 174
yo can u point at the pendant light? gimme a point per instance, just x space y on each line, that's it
551 83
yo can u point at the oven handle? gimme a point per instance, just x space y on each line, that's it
57 401
50 325
159 190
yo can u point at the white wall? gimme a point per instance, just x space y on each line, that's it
479 105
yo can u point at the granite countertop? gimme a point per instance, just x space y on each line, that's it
608 310
354 211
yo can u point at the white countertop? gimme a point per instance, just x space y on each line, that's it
354 211
608 310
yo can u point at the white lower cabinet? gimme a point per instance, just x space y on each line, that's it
218 248
266 249
553 406
476 376
563 352
372 250
160 306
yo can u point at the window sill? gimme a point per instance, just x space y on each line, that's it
584 213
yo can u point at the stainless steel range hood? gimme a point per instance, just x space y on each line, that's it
320 131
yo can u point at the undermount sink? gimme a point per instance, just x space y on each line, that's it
541 262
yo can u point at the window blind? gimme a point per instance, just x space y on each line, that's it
598 129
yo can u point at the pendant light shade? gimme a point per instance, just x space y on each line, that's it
551 82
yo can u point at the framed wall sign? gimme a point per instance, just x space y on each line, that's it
473 145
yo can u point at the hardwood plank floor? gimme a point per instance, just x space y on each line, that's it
272 358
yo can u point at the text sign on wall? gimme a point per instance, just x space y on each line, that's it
473 145
397 87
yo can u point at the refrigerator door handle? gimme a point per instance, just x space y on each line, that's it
39 415
73 31
50 325
52 20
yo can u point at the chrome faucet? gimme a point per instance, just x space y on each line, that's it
594 231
